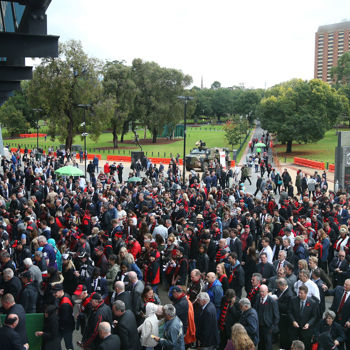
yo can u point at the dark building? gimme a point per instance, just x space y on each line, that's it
23 33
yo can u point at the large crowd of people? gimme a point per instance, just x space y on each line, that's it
172 264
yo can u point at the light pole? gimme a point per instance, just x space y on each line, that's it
84 134
37 110
185 99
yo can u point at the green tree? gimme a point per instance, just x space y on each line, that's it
216 85
246 102
300 110
341 72
121 89
234 128
156 102
13 118
60 84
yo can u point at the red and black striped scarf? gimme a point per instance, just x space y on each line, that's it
153 227
223 315
253 292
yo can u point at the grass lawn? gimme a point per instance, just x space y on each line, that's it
323 150
213 136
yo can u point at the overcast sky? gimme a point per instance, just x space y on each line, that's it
257 43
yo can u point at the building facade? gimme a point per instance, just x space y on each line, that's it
331 41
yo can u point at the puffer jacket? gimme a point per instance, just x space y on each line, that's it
149 326
110 277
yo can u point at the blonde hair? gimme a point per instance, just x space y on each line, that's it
303 264
222 265
240 338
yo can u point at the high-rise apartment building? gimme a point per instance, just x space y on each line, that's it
330 43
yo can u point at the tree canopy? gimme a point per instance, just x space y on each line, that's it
300 111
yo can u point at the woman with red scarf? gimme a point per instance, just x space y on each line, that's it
221 276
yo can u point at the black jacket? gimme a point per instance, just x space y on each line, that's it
266 270
335 332
112 342
268 313
10 339
344 315
51 337
13 286
127 330
28 297
124 297
308 315
65 313
102 313
21 327
181 306
249 320
207 330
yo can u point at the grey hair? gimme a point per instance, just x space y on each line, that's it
281 282
8 272
297 345
119 305
258 276
42 239
169 310
283 251
28 262
203 296
104 327
245 302
329 313
305 273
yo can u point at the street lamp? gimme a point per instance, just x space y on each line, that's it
37 110
84 134
185 99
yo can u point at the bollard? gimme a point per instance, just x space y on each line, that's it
327 165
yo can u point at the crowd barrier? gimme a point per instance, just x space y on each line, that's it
309 163
114 158
31 135
331 168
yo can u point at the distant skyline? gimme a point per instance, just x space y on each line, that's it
255 43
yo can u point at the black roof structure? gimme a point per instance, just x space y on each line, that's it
23 33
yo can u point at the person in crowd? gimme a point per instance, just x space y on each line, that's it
302 313
65 315
249 320
50 332
125 326
10 339
214 290
108 341
149 327
240 339
10 284
28 296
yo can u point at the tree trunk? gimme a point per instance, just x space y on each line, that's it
154 135
115 137
289 146
145 132
69 138
218 119
125 130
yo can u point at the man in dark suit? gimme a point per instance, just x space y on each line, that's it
235 244
8 303
249 320
10 339
284 295
341 307
136 289
268 314
125 327
235 274
207 330
265 268
108 341
338 267
121 294
277 264
303 316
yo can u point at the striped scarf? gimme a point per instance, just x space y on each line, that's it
223 315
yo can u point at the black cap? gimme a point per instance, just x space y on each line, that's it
177 289
57 287
97 296
26 274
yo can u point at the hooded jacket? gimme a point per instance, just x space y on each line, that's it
149 326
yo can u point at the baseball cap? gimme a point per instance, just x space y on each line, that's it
81 288
57 287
